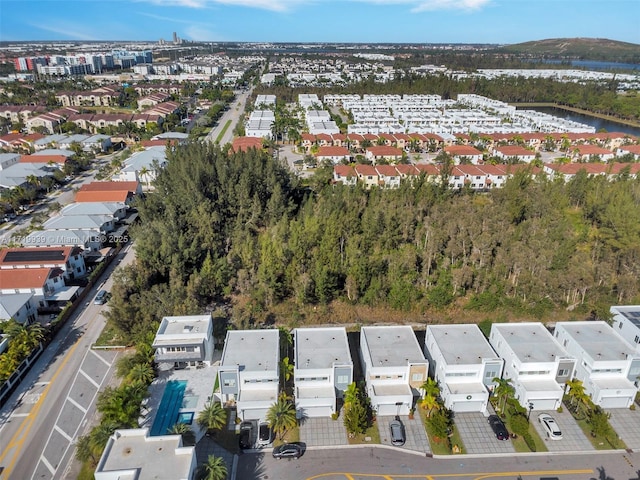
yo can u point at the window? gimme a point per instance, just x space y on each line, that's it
620 325
416 377
637 339
490 374
229 382
563 372
343 378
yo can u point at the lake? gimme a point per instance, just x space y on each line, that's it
597 123
592 64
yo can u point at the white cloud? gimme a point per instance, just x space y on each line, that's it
65 31
429 5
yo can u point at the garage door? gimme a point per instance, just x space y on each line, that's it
391 409
319 411
614 402
467 406
544 404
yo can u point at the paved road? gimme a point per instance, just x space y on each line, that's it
50 409
236 110
373 463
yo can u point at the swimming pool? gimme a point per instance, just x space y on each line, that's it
169 407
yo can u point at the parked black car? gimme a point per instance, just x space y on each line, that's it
246 435
288 450
397 432
498 427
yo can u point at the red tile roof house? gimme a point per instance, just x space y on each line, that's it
514 152
68 259
629 149
42 282
109 192
56 160
344 174
585 153
367 174
242 144
333 154
383 152
388 176
460 152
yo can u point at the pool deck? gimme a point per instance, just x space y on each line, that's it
200 382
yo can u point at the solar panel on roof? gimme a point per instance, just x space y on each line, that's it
34 255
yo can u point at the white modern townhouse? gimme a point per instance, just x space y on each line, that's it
607 365
534 361
464 364
394 368
323 370
249 372
626 321
185 341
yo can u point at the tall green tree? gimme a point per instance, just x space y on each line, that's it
213 469
281 416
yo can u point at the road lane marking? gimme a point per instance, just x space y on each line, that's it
475 476
100 358
93 382
76 404
62 432
18 415
46 463
18 438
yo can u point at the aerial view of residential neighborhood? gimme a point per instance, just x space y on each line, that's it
319 240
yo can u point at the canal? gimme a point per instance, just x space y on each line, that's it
597 123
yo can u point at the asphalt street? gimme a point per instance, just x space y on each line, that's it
235 112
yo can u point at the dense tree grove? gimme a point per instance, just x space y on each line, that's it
222 224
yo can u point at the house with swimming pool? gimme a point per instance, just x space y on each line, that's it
185 341
249 372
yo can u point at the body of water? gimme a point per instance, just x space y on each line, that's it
593 64
597 123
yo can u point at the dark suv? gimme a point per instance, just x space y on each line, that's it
246 435
498 427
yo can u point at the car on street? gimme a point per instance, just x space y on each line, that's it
498 427
550 426
398 436
265 434
288 450
246 436
101 297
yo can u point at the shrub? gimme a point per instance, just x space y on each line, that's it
528 439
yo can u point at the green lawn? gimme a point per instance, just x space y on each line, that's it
440 446
223 131
110 337
598 442
372 433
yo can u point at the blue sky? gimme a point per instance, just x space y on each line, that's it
369 21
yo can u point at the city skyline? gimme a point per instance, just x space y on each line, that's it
348 21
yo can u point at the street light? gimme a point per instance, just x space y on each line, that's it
530 408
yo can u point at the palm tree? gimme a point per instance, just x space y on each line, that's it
141 373
184 430
430 403
430 387
281 416
350 394
577 395
144 175
213 417
214 469
504 390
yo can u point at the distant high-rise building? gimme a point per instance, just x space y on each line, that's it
175 37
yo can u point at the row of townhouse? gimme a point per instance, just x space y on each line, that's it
465 363
476 177
523 146
94 122
106 95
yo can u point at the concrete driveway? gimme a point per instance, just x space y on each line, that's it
323 431
626 423
414 430
573 438
477 435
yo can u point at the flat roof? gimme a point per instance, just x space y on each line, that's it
392 346
547 385
462 344
466 387
531 342
152 457
321 347
598 340
392 389
185 325
253 349
322 391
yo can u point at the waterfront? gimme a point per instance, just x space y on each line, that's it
598 123
591 64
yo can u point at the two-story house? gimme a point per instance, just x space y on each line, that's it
625 319
464 364
394 368
69 259
323 370
534 361
249 372
185 341
607 365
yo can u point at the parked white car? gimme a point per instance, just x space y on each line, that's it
550 426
